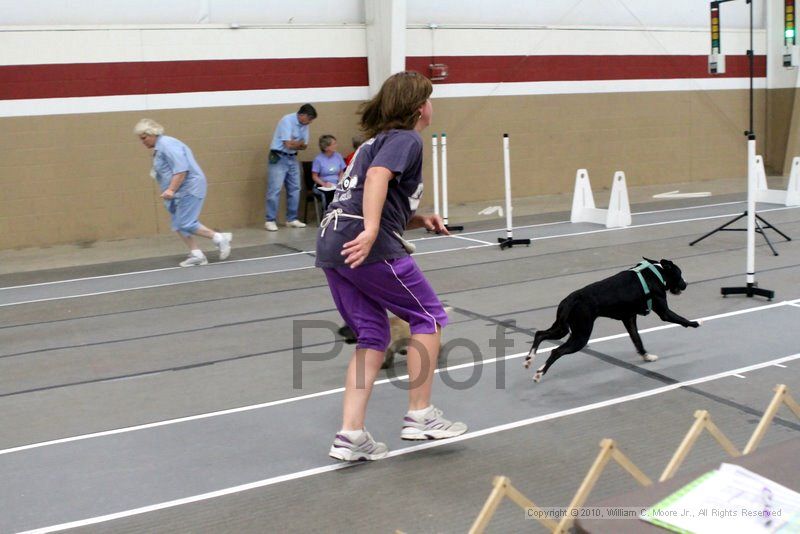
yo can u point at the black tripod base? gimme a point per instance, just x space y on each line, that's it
508 242
752 290
761 224
453 228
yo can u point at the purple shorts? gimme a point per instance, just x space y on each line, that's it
362 296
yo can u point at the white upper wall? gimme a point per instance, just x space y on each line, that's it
133 12
628 13
594 13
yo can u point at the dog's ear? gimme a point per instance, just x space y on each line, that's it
666 262
648 259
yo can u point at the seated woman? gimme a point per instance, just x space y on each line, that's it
327 169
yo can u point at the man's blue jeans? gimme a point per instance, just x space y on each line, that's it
286 171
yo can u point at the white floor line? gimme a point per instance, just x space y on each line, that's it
151 286
287 400
210 279
691 207
408 450
739 376
163 269
780 365
471 239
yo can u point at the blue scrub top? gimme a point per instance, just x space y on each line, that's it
172 157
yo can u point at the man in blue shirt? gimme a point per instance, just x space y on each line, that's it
291 136
183 190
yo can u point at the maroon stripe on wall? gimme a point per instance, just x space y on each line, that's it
493 69
158 77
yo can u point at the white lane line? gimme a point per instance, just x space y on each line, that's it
152 286
340 390
460 235
739 376
210 279
471 239
732 203
780 365
407 450
163 269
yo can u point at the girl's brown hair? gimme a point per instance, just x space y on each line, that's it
397 103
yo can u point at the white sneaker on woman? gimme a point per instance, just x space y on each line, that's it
224 245
193 260
362 447
430 425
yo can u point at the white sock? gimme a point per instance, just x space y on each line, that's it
420 413
351 434
217 239
197 253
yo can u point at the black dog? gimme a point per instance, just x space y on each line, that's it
621 297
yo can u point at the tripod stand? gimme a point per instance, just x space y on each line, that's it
759 222
751 289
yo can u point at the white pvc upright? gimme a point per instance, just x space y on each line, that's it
444 178
752 184
435 161
507 172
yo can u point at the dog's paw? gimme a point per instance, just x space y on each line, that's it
537 377
695 324
527 363
649 357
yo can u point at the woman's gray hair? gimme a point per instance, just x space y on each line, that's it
148 127
325 141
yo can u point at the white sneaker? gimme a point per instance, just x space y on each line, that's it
430 426
362 448
270 226
296 224
193 260
224 245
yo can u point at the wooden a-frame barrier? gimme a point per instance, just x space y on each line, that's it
781 397
503 488
702 422
609 451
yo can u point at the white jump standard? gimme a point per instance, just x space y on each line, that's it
790 197
509 241
618 214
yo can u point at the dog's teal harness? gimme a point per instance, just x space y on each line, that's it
642 266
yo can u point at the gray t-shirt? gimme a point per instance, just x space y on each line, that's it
400 151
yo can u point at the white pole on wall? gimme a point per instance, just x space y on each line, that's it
386 40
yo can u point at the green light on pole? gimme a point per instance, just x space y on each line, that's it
789 34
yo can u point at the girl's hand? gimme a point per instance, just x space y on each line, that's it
357 250
432 223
